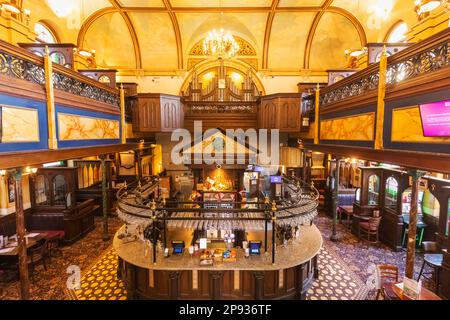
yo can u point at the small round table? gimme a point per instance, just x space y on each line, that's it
434 260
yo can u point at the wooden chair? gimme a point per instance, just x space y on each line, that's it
370 228
386 276
37 255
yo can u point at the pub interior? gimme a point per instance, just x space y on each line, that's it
224 150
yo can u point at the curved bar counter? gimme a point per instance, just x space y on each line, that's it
181 277
284 270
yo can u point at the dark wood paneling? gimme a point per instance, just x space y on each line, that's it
30 158
418 160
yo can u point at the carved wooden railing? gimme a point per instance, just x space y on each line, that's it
205 107
423 58
89 172
18 63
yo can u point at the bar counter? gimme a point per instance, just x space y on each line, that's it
181 277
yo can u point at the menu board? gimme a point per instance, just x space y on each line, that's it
436 119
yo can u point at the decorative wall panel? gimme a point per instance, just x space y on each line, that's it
407 127
19 124
74 127
356 128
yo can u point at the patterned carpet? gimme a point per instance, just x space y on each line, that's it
100 282
51 284
362 257
346 268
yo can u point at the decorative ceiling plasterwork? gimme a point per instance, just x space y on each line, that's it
231 8
245 48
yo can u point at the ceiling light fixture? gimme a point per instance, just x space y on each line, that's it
423 8
220 43
86 53
427 5
8 6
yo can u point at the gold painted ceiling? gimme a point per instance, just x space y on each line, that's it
159 35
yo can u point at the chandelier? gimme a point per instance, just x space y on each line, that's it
221 44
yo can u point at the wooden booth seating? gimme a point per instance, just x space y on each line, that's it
55 206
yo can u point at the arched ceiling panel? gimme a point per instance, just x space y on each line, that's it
111 39
65 17
333 36
141 3
195 26
288 40
157 41
377 16
303 3
224 3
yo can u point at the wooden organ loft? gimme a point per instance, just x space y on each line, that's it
221 97
221 87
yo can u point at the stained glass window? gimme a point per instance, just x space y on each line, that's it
43 33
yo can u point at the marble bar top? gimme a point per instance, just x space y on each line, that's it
297 252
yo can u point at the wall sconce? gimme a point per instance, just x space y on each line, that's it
305 121
86 53
29 170
424 7
9 7
2 173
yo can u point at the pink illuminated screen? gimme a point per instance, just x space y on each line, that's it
436 119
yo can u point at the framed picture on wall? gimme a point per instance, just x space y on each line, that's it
11 189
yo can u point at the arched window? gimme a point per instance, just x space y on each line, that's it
390 194
397 33
41 190
374 190
44 34
60 190
430 205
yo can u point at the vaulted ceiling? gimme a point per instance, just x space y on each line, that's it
158 35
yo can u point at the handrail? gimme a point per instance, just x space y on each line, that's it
421 58
19 63
304 203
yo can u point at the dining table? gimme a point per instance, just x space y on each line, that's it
12 248
425 294
348 211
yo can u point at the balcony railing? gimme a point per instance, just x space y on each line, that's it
18 63
425 57
202 107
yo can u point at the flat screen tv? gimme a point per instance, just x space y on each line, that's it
275 179
436 119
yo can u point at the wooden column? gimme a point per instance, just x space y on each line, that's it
380 103
259 284
123 125
317 115
216 284
412 228
139 163
334 236
174 279
50 95
105 196
20 229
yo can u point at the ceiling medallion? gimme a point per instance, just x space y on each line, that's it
221 44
